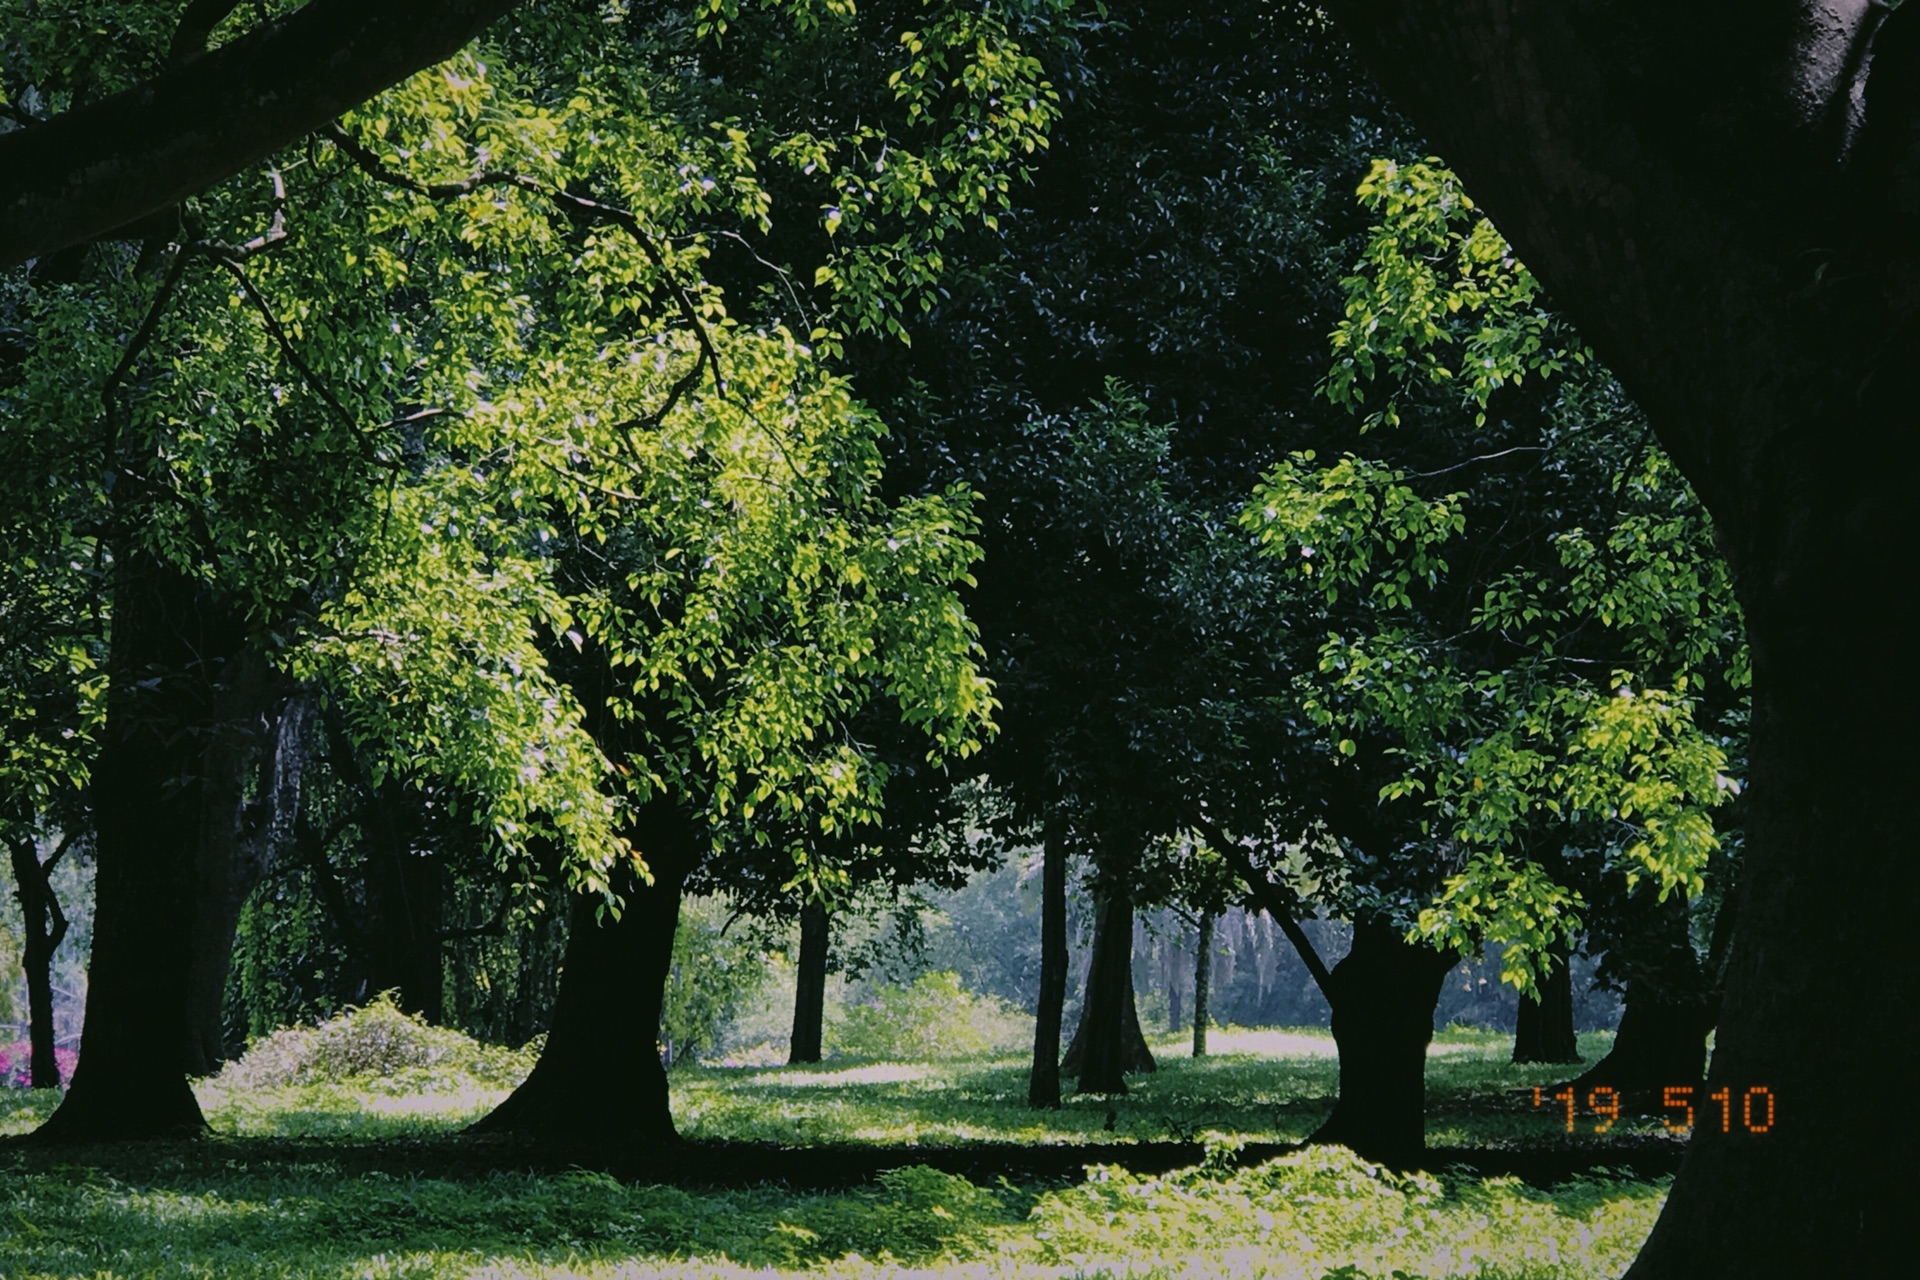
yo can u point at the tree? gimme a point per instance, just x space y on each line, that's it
400 560
1761 325
1475 722
1543 1029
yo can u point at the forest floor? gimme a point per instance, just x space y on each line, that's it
858 1169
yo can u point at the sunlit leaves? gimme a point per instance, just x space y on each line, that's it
1554 691
1509 901
1330 522
1440 298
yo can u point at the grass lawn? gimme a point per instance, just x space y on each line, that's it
242 1207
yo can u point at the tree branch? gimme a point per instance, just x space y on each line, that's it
98 167
1272 901
196 28
580 206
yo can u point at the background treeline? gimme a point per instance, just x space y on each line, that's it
732 998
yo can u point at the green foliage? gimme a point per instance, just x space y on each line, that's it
1305 1217
715 972
1336 519
1549 700
933 1018
375 1042
1436 275
1326 1211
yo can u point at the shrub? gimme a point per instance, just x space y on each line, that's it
16 1064
936 1017
375 1042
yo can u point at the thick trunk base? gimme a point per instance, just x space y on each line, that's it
131 1081
599 1080
1109 1045
1661 1043
1384 993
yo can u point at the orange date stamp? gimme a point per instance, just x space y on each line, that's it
1755 1107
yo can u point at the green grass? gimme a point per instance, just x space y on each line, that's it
235 1209
1262 1085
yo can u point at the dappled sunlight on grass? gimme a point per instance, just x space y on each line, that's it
247 1215
985 1100
1254 1042
1298 1217
337 1111
24 1110
811 1077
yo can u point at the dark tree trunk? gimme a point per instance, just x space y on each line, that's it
1109 1045
406 897
1544 1029
1671 1005
1661 1041
810 986
98 167
1043 1087
1384 992
240 836
132 1079
1766 328
1202 985
46 928
600 1078
1171 970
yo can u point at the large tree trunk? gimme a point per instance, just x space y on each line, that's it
1384 992
1109 1045
1670 1007
810 986
1543 1032
1723 196
599 1078
1043 1087
241 835
45 928
132 1079
1202 985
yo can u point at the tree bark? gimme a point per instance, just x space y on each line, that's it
1043 1086
1661 1041
1109 1045
1671 1005
810 987
240 835
131 1081
45 929
599 1078
1725 198
1383 992
96 168
1202 983
406 893
1544 1029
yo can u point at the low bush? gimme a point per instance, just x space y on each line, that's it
376 1043
936 1017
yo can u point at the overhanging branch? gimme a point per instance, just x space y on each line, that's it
1271 900
91 170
